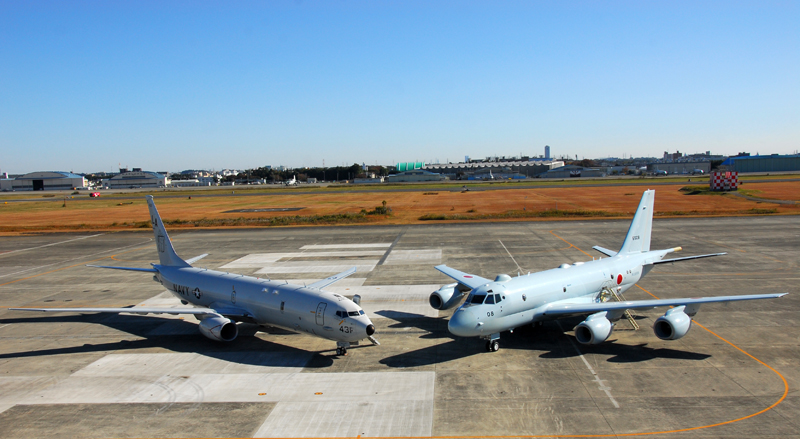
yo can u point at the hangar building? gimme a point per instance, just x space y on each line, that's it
135 179
415 175
45 181
571 171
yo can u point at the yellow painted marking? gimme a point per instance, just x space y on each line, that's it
261 394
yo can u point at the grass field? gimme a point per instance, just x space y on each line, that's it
334 205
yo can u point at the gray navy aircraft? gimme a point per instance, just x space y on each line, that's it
222 299
582 288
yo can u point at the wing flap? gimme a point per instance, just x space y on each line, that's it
469 280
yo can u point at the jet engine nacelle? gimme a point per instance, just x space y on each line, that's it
594 330
446 297
673 325
219 328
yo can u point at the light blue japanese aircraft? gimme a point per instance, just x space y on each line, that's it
222 299
582 288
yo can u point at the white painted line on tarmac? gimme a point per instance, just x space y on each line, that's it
509 254
73 259
329 246
51 244
596 379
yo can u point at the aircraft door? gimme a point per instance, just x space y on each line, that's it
321 313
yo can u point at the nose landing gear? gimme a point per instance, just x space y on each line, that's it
341 348
493 343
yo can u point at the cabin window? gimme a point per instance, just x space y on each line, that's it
489 299
283 304
478 299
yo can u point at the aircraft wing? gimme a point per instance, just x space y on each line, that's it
329 280
562 309
469 280
225 312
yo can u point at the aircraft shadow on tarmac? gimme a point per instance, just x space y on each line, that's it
431 327
549 338
185 338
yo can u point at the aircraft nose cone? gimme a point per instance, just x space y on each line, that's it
370 329
463 324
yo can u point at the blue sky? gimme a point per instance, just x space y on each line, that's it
85 86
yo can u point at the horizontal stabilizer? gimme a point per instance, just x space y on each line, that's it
688 257
470 281
605 251
335 278
196 258
147 270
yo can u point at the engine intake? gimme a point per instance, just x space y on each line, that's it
219 328
446 297
673 325
594 330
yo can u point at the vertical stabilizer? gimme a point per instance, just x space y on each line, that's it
166 254
638 238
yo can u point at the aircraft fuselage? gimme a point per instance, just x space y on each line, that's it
288 306
524 299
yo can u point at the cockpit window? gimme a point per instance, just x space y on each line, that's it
361 311
490 299
478 299
353 313
497 298
341 314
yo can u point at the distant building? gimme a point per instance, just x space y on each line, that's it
45 181
499 169
135 179
571 171
763 163
415 175
547 152
407 166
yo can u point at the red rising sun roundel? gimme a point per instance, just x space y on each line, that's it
470 277
619 279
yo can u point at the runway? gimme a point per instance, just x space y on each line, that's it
68 375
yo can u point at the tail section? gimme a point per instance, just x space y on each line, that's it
166 254
638 238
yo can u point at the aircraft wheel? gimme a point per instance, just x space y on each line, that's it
488 346
494 345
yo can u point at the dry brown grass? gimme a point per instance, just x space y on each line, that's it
110 214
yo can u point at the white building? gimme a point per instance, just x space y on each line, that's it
45 181
136 179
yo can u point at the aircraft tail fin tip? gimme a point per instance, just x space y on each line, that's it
638 237
166 253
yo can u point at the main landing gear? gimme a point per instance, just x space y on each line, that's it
493 343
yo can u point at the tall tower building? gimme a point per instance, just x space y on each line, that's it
547 152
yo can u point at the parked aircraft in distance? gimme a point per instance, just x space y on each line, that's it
292 182
582 288
223 299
